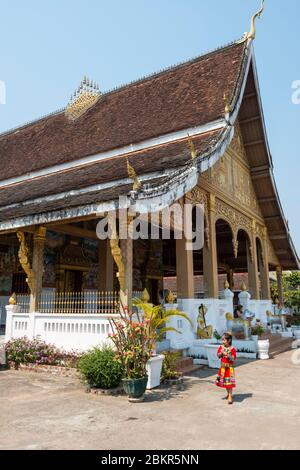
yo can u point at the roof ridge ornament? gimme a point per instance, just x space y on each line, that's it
227 104
192 148
133 176
87 94
252 33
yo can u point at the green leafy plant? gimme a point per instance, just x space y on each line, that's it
169 367
295 321
100 369
217 335
257 331
158 317
133 339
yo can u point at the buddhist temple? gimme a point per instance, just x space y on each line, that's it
193 133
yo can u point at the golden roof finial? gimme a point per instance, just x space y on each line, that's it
145 296
227 104
132 175
84 98
243 287
252 32
13 299
226 284
192 148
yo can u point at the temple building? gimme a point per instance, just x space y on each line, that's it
194 133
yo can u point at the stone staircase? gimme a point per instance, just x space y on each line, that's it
186 366
278 345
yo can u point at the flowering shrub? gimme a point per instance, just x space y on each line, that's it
25 351
133 340
100 369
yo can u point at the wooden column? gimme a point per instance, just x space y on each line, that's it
280 285
106 266
127 255
252 262
185 271
210 255
39 238
264 270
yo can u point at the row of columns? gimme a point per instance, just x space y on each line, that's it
184 266
256 264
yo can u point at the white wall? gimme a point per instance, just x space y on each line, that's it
216 316
77 332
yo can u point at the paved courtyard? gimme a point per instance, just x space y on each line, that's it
39 411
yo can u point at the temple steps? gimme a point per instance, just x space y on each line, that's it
278 345
185 365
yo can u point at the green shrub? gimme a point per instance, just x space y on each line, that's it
100 369
169 367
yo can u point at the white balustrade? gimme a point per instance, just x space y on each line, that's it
66 331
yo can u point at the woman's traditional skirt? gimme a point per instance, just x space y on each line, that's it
226 377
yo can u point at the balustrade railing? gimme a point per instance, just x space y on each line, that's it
23 301
86 302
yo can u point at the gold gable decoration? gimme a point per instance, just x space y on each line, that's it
252 32
84 98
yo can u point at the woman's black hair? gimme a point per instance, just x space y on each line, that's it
228 337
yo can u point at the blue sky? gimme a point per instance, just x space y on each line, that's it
47 46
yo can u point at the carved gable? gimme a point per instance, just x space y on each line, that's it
231 175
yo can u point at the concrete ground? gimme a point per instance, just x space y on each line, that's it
39 411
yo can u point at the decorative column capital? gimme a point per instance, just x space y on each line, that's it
40 234
253 227
212 203
279 271
265 233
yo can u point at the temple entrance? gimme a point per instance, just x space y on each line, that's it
153 285
73 281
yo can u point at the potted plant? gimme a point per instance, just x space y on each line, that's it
169 373
133 342
263 345
157 318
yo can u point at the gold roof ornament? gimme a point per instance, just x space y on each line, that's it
226 284
13 299
170 297
192 148
252 33
145 296
87 94
132 175
243 287
228 108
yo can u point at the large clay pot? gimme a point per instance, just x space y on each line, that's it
135 388
263 349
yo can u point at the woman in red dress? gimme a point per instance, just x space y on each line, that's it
226 375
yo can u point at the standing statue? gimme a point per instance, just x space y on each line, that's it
203 331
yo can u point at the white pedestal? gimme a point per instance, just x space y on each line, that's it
154 366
